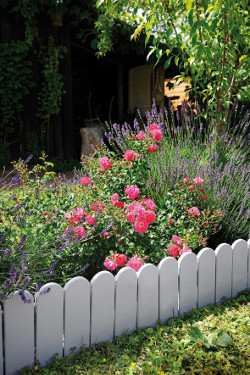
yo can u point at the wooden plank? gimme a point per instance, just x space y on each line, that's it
239 275
168 288
223 272
187 269
147 313
18 332
206 277
76 314
125 301
49 322
102 307
1 341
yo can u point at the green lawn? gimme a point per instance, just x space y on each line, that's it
170 349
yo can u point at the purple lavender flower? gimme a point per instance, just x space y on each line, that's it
28 159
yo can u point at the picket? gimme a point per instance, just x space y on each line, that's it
76 314
147 309
239 274
49 322
84 313
168 288
102 307
187 269
223 272
248 265
18 332
206 277
1 341
125 301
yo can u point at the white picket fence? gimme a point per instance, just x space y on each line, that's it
84 313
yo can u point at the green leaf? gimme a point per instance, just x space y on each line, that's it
167 63
224 340
196 334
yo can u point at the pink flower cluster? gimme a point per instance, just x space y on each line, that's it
155 133
194 211
115 202
176 250
130 155
141 214
115 260
86 180
75 215
132 191
105 163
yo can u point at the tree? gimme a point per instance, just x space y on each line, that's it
207 39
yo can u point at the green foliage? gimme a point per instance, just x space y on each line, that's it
208 40
15 83
50 97
166 349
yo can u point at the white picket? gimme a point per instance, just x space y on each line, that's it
223 272
206 277
187 269
239 274
1 341
125 301
248 265
18 332
49 322
147 308
102 307
168 288
76 314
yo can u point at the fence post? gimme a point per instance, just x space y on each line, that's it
49 322
187 268
76 314
168 288
239 274
147 314
102 307
125 301
18 332
223 272
206 277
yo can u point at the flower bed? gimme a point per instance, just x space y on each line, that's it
159 193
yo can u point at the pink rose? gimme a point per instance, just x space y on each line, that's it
204 197
194 211
86 181
185 249
150 216
119 204
186 179
140 136
79 212
149 203
141 225
106 234
191 187
114 198
170 220
154 127
68 215
156 134
110 264
153 148
131 217
198 181
132 191
120 259
135 263
129 155
174 250
105 163
80 231
177 240
90 220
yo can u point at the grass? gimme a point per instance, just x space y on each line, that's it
174 348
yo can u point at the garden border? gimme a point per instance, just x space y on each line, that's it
86 313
